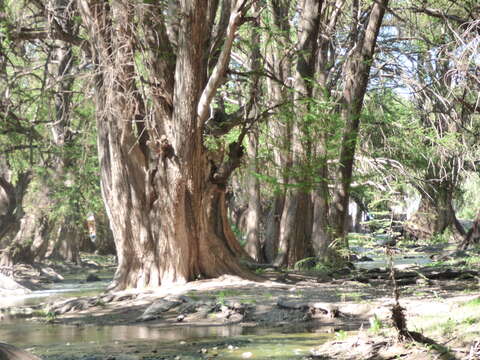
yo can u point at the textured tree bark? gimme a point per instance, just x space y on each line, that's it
295 241
473 235
165 197
253 245
253 231
322 235
280 128
295 229
272 228
356 75
435 213
66 241
11 210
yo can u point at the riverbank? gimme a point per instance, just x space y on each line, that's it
351 307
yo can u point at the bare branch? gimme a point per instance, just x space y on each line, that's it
203 108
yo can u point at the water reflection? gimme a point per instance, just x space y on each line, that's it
24 333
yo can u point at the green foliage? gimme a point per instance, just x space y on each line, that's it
376 325
341 335
467 200
443 238
50 316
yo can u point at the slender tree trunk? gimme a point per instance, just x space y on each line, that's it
357 72
253 244
253 223
296 224
279 64
272 228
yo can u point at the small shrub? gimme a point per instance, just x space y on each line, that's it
341 334
375 324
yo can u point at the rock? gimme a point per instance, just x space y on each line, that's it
422 281
365 258
65 306
188 308
180 317
155 310
331 310
447 274
362 279
107 298
247 355
342 272
10 352
294 305
405 281
92 278
124 297
51 274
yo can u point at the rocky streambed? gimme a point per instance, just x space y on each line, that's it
286 316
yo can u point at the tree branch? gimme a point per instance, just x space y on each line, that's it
203 108
439 14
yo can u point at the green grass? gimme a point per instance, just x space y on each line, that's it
357 296
447 328
341 334
472 303
376 325
221 295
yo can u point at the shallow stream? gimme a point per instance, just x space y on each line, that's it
89 342
62 342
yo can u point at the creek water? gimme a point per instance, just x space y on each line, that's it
126 342
62 342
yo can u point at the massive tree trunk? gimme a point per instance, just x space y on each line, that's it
165 197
